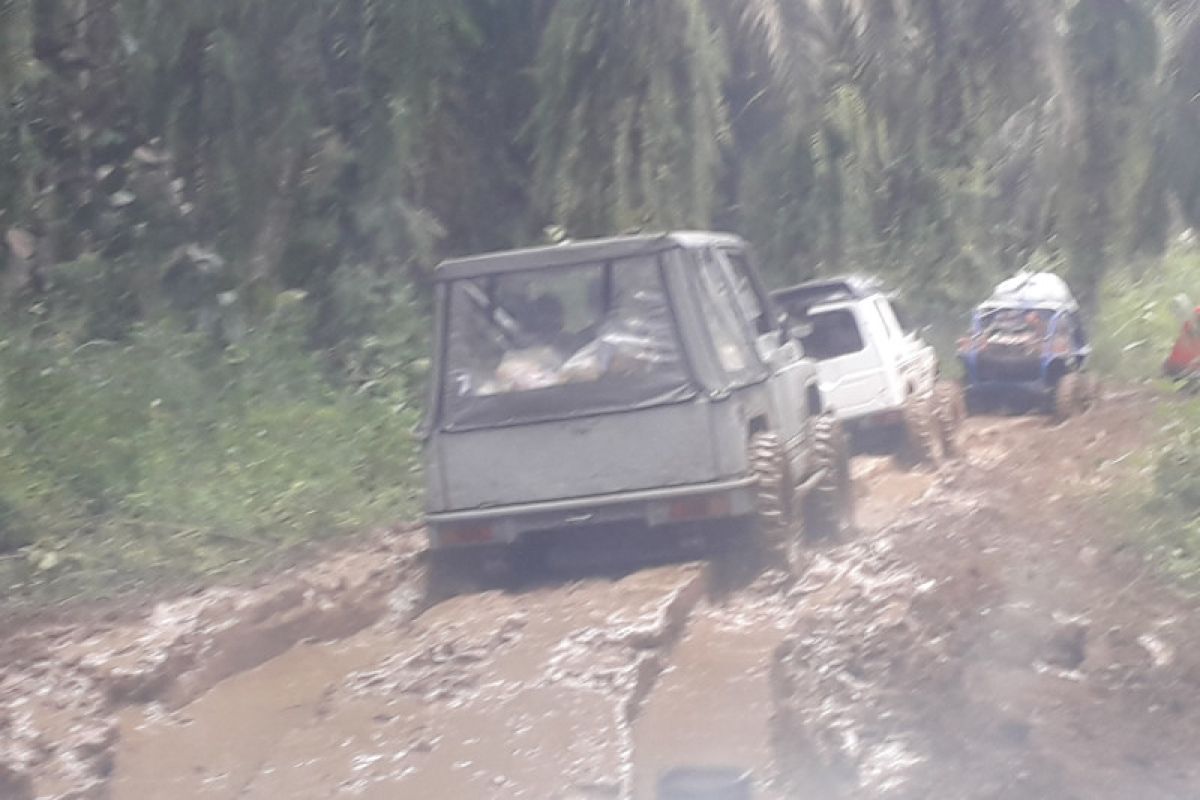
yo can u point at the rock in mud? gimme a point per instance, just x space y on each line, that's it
1067 647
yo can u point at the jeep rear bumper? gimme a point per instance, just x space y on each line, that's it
875 420
651 507
1015 389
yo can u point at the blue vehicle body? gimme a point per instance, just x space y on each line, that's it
1030 368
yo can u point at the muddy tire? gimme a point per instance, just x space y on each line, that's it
773 487
1066 397
922 439
461 571
1089 391
950 409
973 402
829 506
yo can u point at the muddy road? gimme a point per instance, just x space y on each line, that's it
985 634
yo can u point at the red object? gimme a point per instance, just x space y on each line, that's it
698 507
470 533
1185 357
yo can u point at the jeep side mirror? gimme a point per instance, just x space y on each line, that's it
781 323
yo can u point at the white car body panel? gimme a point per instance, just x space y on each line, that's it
891 366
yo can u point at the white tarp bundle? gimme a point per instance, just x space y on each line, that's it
1032 290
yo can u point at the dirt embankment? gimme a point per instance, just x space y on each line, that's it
984 635
999 640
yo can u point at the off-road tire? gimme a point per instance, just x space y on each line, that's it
950 409
1066 397
1089 391
973 402
829 506
773 487
452 572
923 441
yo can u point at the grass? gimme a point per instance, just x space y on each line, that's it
1135 329
1171 506
1133 334
164 458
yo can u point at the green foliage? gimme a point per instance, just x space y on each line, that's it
630 115
1136 327
377 332
217 219
163 456
1133 333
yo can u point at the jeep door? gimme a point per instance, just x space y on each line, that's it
851 346
916 361
789 375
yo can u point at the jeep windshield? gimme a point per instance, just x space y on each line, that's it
1014 321
559 342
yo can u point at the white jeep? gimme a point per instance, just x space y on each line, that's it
878 375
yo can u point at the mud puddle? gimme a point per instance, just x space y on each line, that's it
884 490
712 707
493 695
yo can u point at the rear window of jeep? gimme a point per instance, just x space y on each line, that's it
834 333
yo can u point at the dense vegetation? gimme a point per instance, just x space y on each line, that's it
217 218
1161 505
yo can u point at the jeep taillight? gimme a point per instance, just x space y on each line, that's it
687 509
466 534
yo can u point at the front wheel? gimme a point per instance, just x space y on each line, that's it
950 410
922 438
1089 391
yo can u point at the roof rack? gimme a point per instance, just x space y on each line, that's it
579 252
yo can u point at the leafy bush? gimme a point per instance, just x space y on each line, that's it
163 455
1135 329
375 332
1133 334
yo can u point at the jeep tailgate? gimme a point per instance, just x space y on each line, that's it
670 445
854 384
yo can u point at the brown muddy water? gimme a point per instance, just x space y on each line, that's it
493 695
594 689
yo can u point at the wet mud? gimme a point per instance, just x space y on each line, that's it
984 634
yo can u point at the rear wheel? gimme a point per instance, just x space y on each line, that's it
452 572
773 487
923 441
973 402
1066 397
1089 391
829 506
950 409
469 570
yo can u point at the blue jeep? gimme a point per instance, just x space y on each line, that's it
1027 347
